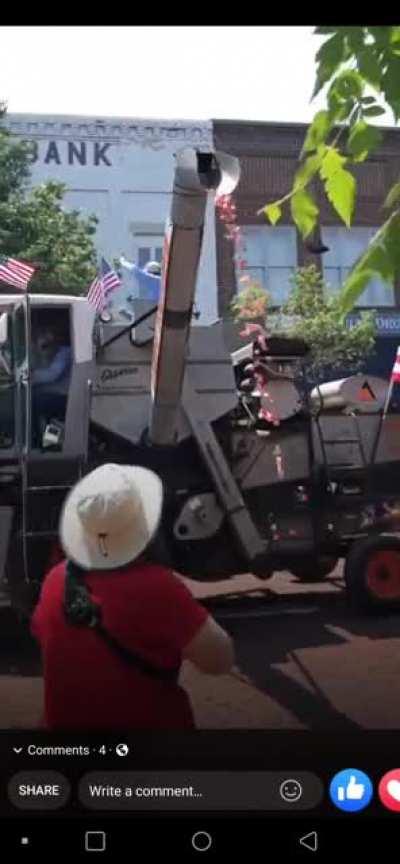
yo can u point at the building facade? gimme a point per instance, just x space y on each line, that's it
269 154
121 170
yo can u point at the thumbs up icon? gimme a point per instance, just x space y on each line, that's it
351 790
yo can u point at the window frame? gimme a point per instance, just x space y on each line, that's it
343 269
267 266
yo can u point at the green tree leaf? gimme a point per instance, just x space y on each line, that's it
393 197
369 66
332 162
392 244
362 139
381 35
331 52
339 109
341 191
330 55
323 31
340 185
374 111
355 37
381 258
349 83
308 169
317 132
273 212
304 212
391 85
395 36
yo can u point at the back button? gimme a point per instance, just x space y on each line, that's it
310 841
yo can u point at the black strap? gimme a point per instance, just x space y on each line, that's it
134 659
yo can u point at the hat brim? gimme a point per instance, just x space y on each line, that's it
86 551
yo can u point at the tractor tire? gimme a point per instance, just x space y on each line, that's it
372 574
314 568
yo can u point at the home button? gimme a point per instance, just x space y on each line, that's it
201 841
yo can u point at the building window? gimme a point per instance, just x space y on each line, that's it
271 258
148 246
345 246
149 253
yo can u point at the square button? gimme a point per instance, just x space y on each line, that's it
95 841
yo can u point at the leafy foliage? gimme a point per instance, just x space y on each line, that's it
360 69
251 302
313 314
304 210
14 164
35 227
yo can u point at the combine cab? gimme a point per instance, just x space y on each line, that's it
309 482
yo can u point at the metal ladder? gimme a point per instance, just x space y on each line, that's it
38 489
330 467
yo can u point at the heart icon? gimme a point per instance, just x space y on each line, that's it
393 788
389 790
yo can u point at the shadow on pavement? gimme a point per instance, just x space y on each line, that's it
306 621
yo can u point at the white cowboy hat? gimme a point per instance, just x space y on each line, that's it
110 516
153 267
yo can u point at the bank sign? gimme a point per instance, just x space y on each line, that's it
387 323
87 141
72 153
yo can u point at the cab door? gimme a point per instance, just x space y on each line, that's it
21 350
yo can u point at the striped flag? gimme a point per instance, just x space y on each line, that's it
395 376
109 277
102 285
394 379
15 272
95 295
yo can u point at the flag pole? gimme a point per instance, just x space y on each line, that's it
388 398
28 425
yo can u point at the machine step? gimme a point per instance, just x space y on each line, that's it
61 488
5 601
338 441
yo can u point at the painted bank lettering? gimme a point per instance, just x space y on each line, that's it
71 153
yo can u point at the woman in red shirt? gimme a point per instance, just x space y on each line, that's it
114 628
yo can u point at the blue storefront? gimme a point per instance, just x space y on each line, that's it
380 362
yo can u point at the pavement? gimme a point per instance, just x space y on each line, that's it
304 660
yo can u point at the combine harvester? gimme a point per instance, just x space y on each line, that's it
242 494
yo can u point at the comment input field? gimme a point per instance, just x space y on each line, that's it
200 790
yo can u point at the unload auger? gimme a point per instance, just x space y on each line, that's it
173 387
196 173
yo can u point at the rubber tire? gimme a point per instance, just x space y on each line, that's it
358 592
314 569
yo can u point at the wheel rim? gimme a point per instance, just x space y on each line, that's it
383 574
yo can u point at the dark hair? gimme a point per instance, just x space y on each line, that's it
79 608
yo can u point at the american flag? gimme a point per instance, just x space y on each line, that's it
395 376
104 282
15 272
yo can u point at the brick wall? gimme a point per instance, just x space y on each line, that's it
268 154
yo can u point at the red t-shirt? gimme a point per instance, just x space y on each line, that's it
87 685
